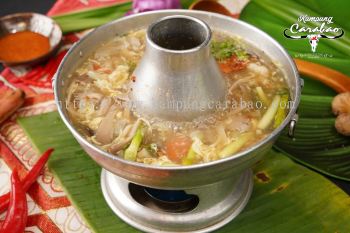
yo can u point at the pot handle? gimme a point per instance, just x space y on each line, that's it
295 118
292 125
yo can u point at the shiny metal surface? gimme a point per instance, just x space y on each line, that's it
31 22
292 125
179 70
181 177
219 203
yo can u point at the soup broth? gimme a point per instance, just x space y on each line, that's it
99 105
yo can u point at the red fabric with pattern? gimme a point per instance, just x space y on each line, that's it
40 93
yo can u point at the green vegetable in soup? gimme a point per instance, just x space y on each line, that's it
132 66
282 111
153 148
269 115
189 158
283 91
131 152
236 145
222 50
262 96
241 54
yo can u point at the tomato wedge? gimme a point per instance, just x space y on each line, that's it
232 64
177 146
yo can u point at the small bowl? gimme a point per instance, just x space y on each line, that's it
35 23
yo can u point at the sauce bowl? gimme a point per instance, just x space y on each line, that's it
33 22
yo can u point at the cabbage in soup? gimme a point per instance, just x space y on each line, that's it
256 104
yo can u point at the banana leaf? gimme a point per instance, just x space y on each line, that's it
275 16
94 17
186 3
286 198
316 143
332 8
289 198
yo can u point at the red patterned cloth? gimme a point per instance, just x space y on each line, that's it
49 208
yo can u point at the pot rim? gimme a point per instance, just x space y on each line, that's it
270 137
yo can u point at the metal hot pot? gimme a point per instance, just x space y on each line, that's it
196 198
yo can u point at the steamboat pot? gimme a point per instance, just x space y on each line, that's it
195 198
179 177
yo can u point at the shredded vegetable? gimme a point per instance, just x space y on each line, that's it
262 96
269 115
236 145
131 152
222 50
282 111
189 158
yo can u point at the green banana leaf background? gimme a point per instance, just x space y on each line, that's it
274 16
316 143
94 17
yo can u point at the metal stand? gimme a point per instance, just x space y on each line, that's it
201 209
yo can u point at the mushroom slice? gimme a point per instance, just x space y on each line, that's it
105 104
221 136
125 137
238 123
105 131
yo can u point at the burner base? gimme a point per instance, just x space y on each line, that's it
201 209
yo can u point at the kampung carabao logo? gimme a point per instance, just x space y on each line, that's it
313 34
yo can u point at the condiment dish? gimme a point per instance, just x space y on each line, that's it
31 22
